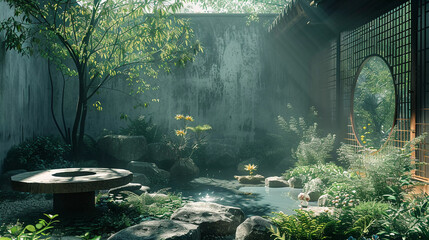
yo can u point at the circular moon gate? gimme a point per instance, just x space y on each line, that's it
373 103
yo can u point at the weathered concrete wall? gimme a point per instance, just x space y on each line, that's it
24 96
229 86
238 86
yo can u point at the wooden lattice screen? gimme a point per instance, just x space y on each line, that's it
422 88
389 36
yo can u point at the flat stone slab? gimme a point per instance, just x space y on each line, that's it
159 229
70 180
253 179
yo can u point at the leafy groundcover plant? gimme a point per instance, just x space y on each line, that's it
28 232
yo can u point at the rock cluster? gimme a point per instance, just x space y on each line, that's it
200 220
153 164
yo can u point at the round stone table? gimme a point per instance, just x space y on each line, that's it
73 188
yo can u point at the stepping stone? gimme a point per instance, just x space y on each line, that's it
276 182
254 179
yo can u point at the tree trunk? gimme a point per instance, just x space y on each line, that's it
78 118
74 137
82 125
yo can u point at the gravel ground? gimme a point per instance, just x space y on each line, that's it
30 208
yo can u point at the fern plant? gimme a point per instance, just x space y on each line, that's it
302 226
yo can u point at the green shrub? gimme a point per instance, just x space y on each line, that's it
39 153
387 171
142 126
328 173
374 209
343 195
409 220
363 219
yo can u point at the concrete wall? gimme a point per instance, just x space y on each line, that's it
238 86
24 96
230 86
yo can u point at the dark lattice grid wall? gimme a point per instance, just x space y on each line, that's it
422 88
331 85
388 36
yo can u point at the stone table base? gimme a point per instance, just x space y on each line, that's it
74 202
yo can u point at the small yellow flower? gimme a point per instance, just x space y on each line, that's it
180 132
364 128
189 118
250 168
179 116
364 141
369 124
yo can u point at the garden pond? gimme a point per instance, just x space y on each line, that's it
254 200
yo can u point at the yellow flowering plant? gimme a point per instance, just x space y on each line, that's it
189 143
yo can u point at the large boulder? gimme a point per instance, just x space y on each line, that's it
159 229
214 219
161 154
254 228
314 189
250 179
141 179
276 182
123 148
296 182
184 170
156 176
240 166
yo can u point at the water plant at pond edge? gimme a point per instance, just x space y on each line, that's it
28 232
187 143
